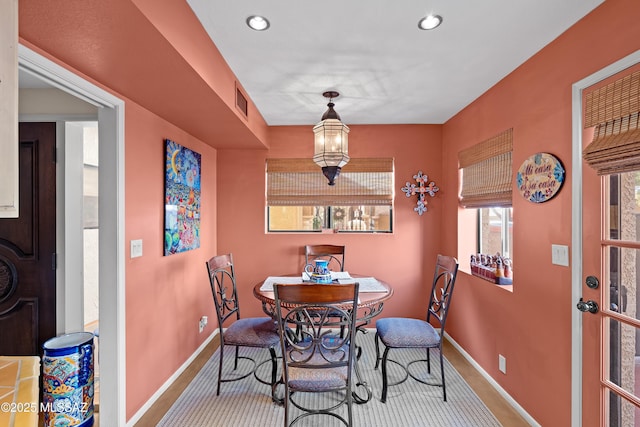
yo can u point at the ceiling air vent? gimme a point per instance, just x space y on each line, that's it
241 101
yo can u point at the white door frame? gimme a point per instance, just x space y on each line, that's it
111 214
576 226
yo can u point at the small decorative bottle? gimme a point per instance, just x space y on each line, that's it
508 273
499 267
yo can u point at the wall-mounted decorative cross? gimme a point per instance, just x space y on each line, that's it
420 189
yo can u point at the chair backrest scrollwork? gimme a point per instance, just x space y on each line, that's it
223 287
309 320
444 279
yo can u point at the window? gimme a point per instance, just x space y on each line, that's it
487 189
495 231
299 199
340 218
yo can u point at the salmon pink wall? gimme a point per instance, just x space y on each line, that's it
195 46
165 295
531 326
403 258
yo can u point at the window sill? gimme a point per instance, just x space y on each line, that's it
328 231
502 281
508 287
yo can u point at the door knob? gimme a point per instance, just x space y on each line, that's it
590 306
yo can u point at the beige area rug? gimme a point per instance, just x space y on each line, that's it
411 404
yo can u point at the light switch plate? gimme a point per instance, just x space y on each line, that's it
136 248
560 255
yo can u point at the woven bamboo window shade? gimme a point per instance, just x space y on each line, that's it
300 182
486 172
614 110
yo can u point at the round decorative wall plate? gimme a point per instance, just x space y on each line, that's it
540 177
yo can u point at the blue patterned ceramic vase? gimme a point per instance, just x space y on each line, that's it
68 380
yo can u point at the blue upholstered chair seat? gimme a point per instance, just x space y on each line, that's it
317 379
406 332
312 379
252 332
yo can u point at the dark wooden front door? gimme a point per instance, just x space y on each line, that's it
27 248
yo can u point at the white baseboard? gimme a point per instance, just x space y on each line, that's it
510 400
143 410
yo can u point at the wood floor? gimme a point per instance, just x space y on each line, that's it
503 411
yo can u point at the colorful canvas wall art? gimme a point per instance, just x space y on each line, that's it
182 199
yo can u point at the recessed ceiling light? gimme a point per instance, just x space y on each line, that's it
258 23
430 22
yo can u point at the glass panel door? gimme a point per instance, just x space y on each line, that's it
620 323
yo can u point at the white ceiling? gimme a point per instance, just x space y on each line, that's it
371 51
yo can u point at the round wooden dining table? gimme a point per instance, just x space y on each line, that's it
370 304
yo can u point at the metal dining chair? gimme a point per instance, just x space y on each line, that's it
402 332
316 358
332 253
259 332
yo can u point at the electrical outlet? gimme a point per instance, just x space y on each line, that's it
202 323
502 364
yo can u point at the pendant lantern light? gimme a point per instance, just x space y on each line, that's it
331 148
